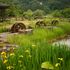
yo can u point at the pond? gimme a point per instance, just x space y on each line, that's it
63 42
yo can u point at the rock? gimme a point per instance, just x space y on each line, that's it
27 31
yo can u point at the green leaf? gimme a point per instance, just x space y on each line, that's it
47 65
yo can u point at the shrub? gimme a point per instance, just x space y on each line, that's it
65 27
28 14
66 12
38 13
57 13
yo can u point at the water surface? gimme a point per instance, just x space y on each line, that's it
63 42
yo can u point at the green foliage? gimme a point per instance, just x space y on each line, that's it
38 13
34 50
46 5
18 6
40 35
66 12
31 54
14 9
58 31
4 26
57 13
62 13
47 65
3 29
65 27
28 14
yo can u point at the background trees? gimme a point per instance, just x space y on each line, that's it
18 7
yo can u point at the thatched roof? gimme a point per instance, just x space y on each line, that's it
3 6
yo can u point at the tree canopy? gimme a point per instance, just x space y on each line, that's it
47 6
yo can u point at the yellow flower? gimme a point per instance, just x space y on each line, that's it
61 59
57 64
12 54
9 67
5 61
3 53
4 56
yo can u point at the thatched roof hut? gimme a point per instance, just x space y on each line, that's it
3 8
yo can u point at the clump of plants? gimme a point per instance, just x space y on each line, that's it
65 27
36 56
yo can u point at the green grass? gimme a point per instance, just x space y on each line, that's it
4 26
30 57
34 49
39 34
65 26
3 29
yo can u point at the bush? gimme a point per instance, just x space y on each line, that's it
65 27
38 14
66 13
62 13
57 13
28 14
